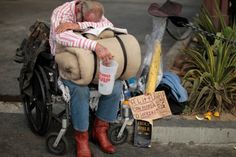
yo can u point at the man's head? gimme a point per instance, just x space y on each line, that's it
89 10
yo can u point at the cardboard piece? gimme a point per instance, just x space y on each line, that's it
150 107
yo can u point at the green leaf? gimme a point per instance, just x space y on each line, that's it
232 60
210 55
208 78
203 91
195 85
208 100
219 102
227 74
227 31
199 60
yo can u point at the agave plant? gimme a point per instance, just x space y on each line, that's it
211 81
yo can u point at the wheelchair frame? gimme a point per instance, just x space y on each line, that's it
38 108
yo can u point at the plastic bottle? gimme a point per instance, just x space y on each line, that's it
125 104
127 93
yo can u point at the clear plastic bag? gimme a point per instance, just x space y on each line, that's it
159 26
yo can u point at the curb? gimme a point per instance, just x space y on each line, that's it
194 132
172 130
10 98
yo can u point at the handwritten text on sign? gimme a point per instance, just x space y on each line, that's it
151 106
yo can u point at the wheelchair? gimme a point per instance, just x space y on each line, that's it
41 91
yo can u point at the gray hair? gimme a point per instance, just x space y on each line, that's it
94 6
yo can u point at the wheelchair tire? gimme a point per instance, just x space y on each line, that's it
36 109
62 146
113 133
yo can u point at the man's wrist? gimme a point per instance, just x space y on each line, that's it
80 25
99 48
77 27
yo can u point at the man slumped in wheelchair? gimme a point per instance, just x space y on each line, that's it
65 40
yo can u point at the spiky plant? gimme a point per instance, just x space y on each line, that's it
211 81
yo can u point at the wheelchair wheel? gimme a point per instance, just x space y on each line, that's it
62 146
113 133
36 109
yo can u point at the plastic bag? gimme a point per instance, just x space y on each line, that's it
159 26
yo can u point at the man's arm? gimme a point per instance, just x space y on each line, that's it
67 26
69 38
82 25
64 35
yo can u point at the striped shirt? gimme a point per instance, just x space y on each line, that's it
66 13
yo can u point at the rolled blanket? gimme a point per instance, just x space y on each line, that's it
82 66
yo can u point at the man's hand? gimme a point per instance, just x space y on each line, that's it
67 26
103 54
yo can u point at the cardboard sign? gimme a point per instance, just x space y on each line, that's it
150 107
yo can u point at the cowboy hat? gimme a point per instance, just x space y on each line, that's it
169 8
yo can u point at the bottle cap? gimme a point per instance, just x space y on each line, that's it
126 102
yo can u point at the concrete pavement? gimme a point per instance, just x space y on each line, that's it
174 129
18 141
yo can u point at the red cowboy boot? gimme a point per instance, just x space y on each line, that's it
81 139
99 134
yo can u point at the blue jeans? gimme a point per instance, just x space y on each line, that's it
107 107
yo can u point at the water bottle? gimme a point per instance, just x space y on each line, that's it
125 104
127 93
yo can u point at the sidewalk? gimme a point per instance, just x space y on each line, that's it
174 129
18 141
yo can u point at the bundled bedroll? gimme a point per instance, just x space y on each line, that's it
82 66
